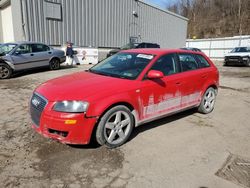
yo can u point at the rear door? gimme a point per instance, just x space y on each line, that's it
191 87
42 54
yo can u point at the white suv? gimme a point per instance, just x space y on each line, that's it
239 55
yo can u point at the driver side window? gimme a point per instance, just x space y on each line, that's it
166 64
24 49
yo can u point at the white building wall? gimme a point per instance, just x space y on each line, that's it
217 48
6 25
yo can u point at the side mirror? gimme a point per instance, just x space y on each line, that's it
17 53
154 74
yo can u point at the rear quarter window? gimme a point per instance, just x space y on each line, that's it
202 62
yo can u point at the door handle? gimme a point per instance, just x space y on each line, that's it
31 54
204 76
49 52
178 83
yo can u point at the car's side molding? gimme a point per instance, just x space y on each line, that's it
165 115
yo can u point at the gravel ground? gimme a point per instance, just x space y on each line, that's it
184 150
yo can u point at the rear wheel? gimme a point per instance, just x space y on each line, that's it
54 64
5 71
115 127
225 64
208 101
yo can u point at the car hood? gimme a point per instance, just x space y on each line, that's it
238 54
81 86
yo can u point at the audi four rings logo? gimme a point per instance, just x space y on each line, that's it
35 102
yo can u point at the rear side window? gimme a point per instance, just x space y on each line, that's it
188 62
202 61
166 64
39 48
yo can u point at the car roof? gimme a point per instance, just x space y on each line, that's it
24 42
159 51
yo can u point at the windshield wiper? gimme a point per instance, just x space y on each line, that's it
108 74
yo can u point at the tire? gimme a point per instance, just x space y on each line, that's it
54 64
208 101
248 62
115 127
5 71
225 64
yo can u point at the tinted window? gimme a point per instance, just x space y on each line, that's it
202 61
188 62
241 49
153 45
39 48
24 49
166 64
142 45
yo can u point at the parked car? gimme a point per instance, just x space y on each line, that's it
132 46
128 89
26 55
238 56
192 49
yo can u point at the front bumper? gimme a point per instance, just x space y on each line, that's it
68 128
236 60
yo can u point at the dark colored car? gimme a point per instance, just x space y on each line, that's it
238 56
192 49
133 46
123 91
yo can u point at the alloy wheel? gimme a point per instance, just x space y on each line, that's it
117 127
209 100
4 72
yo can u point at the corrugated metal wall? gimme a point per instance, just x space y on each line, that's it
102 23
217 48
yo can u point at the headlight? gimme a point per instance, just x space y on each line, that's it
245 58
71 106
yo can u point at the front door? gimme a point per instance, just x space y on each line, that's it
23 58
161 96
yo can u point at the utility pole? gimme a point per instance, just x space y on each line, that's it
240 20
240 17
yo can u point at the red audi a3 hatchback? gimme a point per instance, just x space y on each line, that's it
123 91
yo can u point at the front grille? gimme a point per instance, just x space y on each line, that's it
234 58
37 105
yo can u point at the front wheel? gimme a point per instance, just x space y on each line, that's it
248 62
115 127
54 64
208 101
5 71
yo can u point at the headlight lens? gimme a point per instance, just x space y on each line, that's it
71 106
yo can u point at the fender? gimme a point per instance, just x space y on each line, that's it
97 109
7 62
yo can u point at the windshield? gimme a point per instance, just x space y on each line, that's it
241 49
123 65
6 48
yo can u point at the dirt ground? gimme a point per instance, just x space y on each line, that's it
181 151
